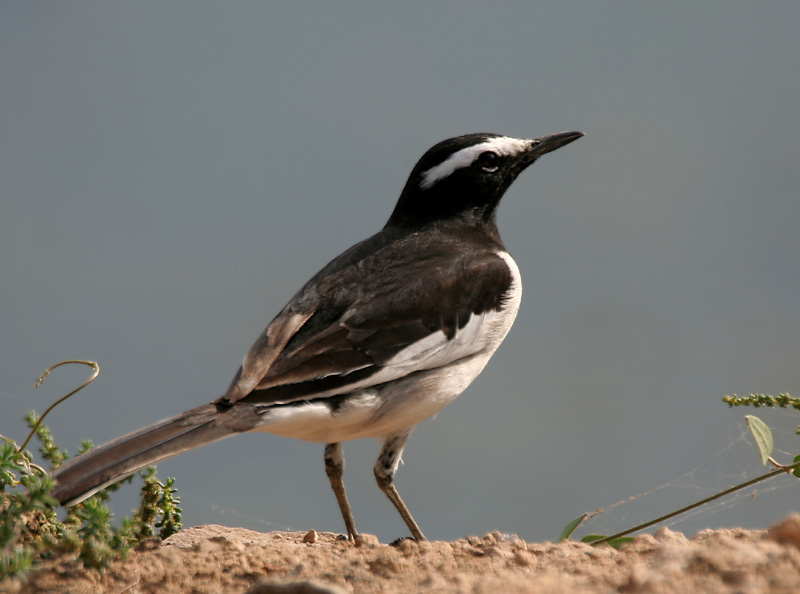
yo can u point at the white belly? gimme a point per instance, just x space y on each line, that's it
439 370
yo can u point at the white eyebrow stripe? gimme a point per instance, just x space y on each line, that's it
502 145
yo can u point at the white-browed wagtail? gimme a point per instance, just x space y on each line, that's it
383 337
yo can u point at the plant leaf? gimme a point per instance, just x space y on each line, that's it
762 435
570 528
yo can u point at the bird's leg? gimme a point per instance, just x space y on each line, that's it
385 469
334 468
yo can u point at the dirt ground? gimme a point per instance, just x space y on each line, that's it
215 559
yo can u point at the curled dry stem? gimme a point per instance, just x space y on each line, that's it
93 364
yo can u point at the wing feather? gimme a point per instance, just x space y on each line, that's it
372 320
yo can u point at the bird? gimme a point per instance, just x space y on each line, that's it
383 337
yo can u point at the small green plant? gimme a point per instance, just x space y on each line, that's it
761 431
757 400
29 526
158 509
28 515
764 441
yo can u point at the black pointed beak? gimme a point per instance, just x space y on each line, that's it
545 144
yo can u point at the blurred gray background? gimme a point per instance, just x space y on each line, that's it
171 173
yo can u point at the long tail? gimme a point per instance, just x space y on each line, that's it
85 475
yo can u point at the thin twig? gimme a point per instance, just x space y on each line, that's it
697 504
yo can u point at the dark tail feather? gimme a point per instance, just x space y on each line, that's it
85 475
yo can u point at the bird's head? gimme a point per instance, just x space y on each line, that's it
466 176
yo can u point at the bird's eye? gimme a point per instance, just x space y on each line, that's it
488 161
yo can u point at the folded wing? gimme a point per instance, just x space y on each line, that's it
351 333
